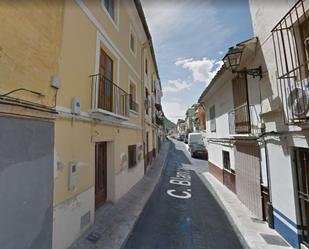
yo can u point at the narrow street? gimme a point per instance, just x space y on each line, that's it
181 212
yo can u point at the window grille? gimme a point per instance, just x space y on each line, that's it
291 46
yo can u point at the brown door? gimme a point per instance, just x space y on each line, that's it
105 101
100 173
146 151
242 118
303 192
248 176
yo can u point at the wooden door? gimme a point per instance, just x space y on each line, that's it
242 118
248 176
303 192
100 173
105 101
147 150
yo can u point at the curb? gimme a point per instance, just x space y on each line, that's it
228 215
155 186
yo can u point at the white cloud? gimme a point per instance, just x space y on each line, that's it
167 18
174 110
176 86
202 70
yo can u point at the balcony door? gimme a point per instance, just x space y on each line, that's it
100 173
105 100
241 108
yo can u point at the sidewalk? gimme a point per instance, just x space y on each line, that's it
254 233
113 222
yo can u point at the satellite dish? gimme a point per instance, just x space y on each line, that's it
298 102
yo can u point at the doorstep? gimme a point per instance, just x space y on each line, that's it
253 232
114 222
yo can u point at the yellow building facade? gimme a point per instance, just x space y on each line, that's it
105 64
30 46
79 107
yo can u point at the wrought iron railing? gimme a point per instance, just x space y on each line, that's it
245 120
239 120
108 96
291 46
132 104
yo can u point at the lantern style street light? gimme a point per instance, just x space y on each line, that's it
232 61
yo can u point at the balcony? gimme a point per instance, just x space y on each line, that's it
132 104
108 99
244 120
291 47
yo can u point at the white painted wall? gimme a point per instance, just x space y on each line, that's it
67 218
265 15
126 179
281 176
215 153
222 98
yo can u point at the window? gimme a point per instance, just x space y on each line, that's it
147 102
146 66
132 97
212 116
132 43
226 160
110 7
105 99
132 155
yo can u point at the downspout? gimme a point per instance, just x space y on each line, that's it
269 204
144 45
248 104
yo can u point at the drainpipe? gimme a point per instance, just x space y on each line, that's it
248 102
270 210
144 46
269 204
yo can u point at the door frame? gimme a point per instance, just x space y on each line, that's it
100 197
299 212
107 102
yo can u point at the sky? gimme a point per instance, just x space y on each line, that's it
190 38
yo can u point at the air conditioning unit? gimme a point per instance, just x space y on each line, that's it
298 100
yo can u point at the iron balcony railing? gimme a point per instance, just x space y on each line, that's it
244 120
239 120
108 96
132 104
291 46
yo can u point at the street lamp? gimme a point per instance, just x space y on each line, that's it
232 61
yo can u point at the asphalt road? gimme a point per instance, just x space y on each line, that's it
181 212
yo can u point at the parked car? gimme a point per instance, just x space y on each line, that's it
194 138
199 150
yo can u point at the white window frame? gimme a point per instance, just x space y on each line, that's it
115 20
131 80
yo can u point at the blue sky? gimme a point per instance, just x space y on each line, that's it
190 38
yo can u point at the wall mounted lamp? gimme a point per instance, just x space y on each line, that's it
232 61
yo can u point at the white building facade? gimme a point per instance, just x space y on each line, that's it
283 32
233 131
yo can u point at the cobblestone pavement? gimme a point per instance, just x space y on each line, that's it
181 212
